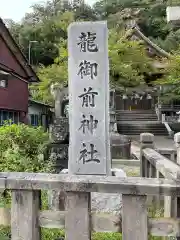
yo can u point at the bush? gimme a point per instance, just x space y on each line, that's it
53 234
22 148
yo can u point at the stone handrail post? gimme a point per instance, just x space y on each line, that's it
158 111
163 118
177 144
172 204
146 141
176 201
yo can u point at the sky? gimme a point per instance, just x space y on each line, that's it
15 9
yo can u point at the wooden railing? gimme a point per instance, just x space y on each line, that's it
160 178
78 221
170 153
153 161
170 119
155 165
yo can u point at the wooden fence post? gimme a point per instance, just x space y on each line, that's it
146 141
172 157
170 203
134 219
78 221
24 215
175 202
177 144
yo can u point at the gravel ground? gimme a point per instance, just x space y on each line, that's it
106 202
131 171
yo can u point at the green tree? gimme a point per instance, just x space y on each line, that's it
47 33
150 15
57 73
46 24
128 64
52 9
128 61
171 81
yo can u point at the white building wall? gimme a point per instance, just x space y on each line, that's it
34 109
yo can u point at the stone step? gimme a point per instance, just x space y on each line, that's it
139 127
140 114
135 111
134 133
136 118
121 116
142 126
141 123
136 122
136 115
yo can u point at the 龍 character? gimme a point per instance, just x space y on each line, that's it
88 97
88 156
87 69
87 42
89 124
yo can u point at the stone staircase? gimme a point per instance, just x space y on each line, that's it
136 122
136 116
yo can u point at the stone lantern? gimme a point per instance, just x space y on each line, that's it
60 94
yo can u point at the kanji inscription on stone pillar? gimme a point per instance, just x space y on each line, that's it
88 67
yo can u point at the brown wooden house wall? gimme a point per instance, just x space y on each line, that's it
15 96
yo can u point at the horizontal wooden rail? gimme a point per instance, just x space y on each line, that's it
78 220
101 222
165 150
170 153
85 183
165 166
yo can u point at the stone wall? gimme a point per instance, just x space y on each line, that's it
59 154
59 130
120 146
